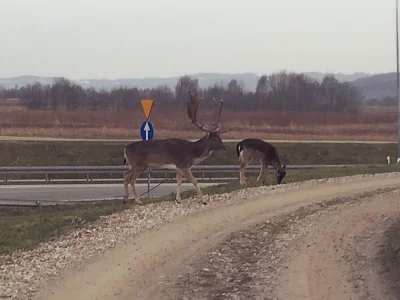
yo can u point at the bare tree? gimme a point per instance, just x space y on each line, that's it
262 86
184 85
278 91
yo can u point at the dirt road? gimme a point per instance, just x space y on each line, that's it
164 263
347 248
339 258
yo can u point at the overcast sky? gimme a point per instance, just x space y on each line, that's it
159 38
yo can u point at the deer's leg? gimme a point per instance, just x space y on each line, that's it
261 171
134 176
130 177
188 174
178 186
137 200
245 159
242 167
242 179
264 170
127 180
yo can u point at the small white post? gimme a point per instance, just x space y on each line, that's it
388 159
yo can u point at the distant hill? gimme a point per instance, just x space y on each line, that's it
249 80
378 86
24 80
339 76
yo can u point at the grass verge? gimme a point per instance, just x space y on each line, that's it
72 153
25 228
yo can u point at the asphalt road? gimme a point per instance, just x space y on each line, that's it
82 192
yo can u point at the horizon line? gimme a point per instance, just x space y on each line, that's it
196 74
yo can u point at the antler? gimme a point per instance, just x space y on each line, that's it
192 108
217 114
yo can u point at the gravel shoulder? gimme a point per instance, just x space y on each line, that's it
134 254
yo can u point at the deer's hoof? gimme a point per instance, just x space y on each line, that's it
138 202
204 202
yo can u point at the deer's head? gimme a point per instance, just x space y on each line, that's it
215 141
280 174
213 133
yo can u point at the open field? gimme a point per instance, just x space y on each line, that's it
378 109
25 228
73 153
379 126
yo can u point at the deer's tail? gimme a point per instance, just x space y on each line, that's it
125 158
238 149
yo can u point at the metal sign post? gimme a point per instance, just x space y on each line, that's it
147 130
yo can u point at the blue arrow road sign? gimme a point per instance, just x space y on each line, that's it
146 131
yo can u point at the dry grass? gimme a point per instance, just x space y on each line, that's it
378 109
172 123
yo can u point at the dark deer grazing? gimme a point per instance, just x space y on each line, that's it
250 149
175 153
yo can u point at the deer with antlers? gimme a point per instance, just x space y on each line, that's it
175 153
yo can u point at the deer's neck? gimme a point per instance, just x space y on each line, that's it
201 150
276 163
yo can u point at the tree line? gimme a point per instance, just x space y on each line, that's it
278 91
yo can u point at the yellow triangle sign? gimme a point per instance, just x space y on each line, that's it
146 106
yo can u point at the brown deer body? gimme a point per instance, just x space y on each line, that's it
250 149
177 154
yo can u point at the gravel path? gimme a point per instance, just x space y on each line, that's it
345 248
148 252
